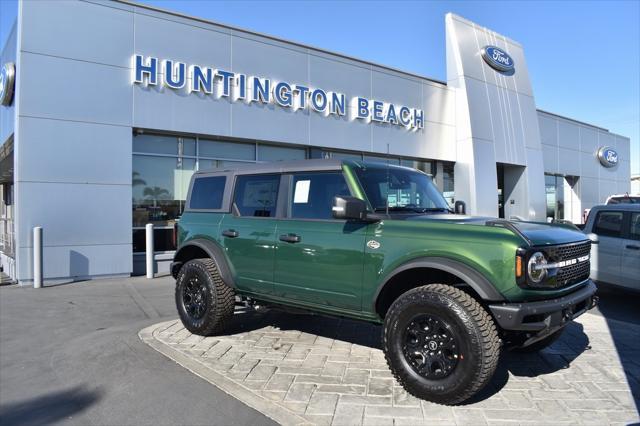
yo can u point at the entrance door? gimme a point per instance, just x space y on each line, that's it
500 171
319 260
511 191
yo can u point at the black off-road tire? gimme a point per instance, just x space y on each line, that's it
218 298
540 344
466 320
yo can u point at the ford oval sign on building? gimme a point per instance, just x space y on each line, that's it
608 156
7 81
498 59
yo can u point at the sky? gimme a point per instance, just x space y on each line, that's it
583 56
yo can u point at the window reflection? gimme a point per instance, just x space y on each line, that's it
159 186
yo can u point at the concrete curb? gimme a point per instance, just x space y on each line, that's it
274 411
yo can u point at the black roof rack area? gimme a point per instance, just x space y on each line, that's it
502 223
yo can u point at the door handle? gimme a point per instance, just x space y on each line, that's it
230 233
633 247
290 238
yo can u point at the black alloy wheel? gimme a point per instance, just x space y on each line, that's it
204 301
194 298
440 343
430 347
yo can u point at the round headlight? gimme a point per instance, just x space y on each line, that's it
535 268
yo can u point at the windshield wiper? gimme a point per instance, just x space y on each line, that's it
413 209
395 209
435 209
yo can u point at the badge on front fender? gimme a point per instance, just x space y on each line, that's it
373 244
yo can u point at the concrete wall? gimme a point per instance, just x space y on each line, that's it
496 123
170 37
78 107
570 148
73 155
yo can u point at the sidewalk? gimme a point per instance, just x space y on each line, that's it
308 369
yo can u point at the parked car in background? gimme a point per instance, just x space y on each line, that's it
614 230
623 199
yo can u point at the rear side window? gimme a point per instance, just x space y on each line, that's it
609 224
312 195
635 226
256 195
207 192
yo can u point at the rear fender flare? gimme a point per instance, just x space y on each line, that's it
214 251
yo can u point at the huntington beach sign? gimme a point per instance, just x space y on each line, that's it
244 88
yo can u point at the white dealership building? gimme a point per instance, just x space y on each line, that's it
108 107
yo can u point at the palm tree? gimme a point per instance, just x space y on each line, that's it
156 193
136 180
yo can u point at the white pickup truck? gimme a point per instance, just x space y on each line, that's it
614 230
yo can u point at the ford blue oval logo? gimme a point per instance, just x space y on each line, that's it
498 59
7 82
608 156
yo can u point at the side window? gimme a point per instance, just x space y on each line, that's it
256 195
634 233
609 224
207 192
312 194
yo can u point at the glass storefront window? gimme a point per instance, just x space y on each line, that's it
230 150
187 147
555 196
160 186
277 153
382 159
205 164
162 170
448 182
154 144
341 155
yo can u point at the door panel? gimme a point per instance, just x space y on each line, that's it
251 253
630 270
325 266
319 259
607 261
249 234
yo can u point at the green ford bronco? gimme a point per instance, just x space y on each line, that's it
379 243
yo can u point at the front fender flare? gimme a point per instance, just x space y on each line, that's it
470 276
213 250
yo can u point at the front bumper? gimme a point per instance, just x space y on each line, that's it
544 317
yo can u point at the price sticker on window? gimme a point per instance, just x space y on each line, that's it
301 194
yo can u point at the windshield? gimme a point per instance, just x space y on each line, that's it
401 190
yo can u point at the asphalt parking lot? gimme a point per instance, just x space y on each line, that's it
72 354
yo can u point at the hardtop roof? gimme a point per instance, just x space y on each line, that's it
295 166
617 207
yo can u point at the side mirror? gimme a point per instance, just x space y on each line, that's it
349 208
460 207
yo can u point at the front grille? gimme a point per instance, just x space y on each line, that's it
566 252
570 274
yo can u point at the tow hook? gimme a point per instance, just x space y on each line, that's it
567 315
594 301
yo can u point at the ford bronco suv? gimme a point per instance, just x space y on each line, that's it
379 243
